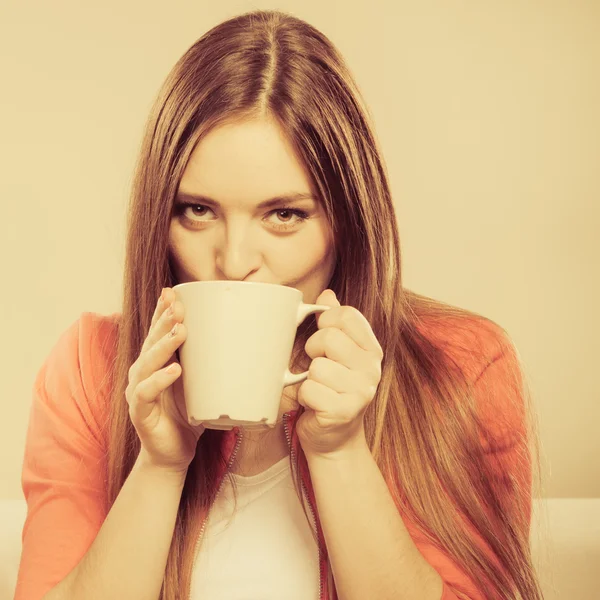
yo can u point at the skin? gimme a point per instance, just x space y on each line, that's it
240 166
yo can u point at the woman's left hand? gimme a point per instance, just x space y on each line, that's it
342 379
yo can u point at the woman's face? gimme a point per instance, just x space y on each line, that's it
240 166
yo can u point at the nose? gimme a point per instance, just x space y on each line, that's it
237 255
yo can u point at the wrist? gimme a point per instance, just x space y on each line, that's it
347 453
145 464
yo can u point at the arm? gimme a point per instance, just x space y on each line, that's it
128 557
372 554
371 548
70 534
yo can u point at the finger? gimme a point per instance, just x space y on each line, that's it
162 321
141 401
158 309
352 322
155 357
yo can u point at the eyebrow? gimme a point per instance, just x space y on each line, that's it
281 199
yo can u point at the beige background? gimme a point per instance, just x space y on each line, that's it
487 112
488 117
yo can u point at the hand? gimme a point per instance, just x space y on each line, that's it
342 379
155 397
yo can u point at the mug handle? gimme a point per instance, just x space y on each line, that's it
304 310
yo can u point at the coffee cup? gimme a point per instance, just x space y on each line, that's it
235 359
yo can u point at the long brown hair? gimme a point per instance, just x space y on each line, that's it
423 428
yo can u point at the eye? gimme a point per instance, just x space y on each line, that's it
300 215
181 209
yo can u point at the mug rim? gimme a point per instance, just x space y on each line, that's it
251 283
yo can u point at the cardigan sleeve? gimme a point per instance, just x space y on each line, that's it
63 473
500 402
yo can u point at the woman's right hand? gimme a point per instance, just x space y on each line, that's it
155 396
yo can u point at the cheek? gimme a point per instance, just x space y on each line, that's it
302 258
190 261
286 259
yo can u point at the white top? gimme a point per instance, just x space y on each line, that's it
266 551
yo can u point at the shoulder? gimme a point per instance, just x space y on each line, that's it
473 343
492 368
79 367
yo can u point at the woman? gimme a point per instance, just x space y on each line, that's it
410 452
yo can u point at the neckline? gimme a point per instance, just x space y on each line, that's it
273 471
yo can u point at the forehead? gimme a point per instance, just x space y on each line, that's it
250 161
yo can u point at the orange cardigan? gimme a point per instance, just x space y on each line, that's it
64 467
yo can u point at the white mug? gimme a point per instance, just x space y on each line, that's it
235 359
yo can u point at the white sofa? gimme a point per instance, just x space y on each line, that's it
565 542
12 517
